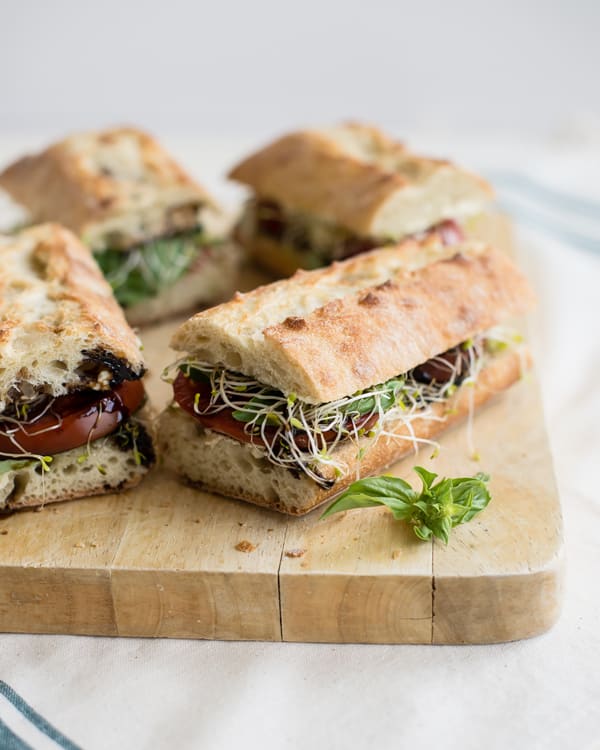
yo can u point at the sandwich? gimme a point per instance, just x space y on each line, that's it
326 195
285 395
157 235
71 391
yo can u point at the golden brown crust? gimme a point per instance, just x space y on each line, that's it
364 320
358 178
55 304
119 180
375 334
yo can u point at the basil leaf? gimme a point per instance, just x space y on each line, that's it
427 477
394 493
143 272
385 486
258 407
470 496
388 396
422 532
433 512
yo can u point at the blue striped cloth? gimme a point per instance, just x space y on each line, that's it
23 728
569 218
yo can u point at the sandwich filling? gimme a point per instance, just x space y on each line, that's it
321 242
35 426
142 272
302 437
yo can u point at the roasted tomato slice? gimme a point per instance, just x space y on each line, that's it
72 420
185 390
441 369
450 232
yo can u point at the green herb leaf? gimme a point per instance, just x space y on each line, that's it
393 492
387 399
427 477
255 409
435 511
143 272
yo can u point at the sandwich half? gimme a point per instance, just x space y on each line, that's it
326 195
157 235
285 395
71 393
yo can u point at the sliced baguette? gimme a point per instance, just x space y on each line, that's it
55 305
357 177
118 183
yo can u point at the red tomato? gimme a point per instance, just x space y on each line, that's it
185 390
72 420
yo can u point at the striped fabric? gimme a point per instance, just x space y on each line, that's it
569 218
23 728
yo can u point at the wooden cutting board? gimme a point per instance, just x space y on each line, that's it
166 560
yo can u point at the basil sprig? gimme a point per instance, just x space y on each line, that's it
434 511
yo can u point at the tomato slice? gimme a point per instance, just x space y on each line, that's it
185 390
450 232
72 420
441 369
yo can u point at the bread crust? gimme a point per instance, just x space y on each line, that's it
54 305
329 333
116 180
359 178
192 452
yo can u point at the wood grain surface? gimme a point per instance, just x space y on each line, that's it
168 560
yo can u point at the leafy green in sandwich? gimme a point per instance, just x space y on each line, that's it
145 271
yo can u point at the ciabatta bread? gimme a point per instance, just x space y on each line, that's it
114 188
325 334
356 177
56 310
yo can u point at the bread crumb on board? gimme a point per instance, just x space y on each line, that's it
245 546
295 552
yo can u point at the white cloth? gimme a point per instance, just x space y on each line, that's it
543 693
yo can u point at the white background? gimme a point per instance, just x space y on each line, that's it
260 66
